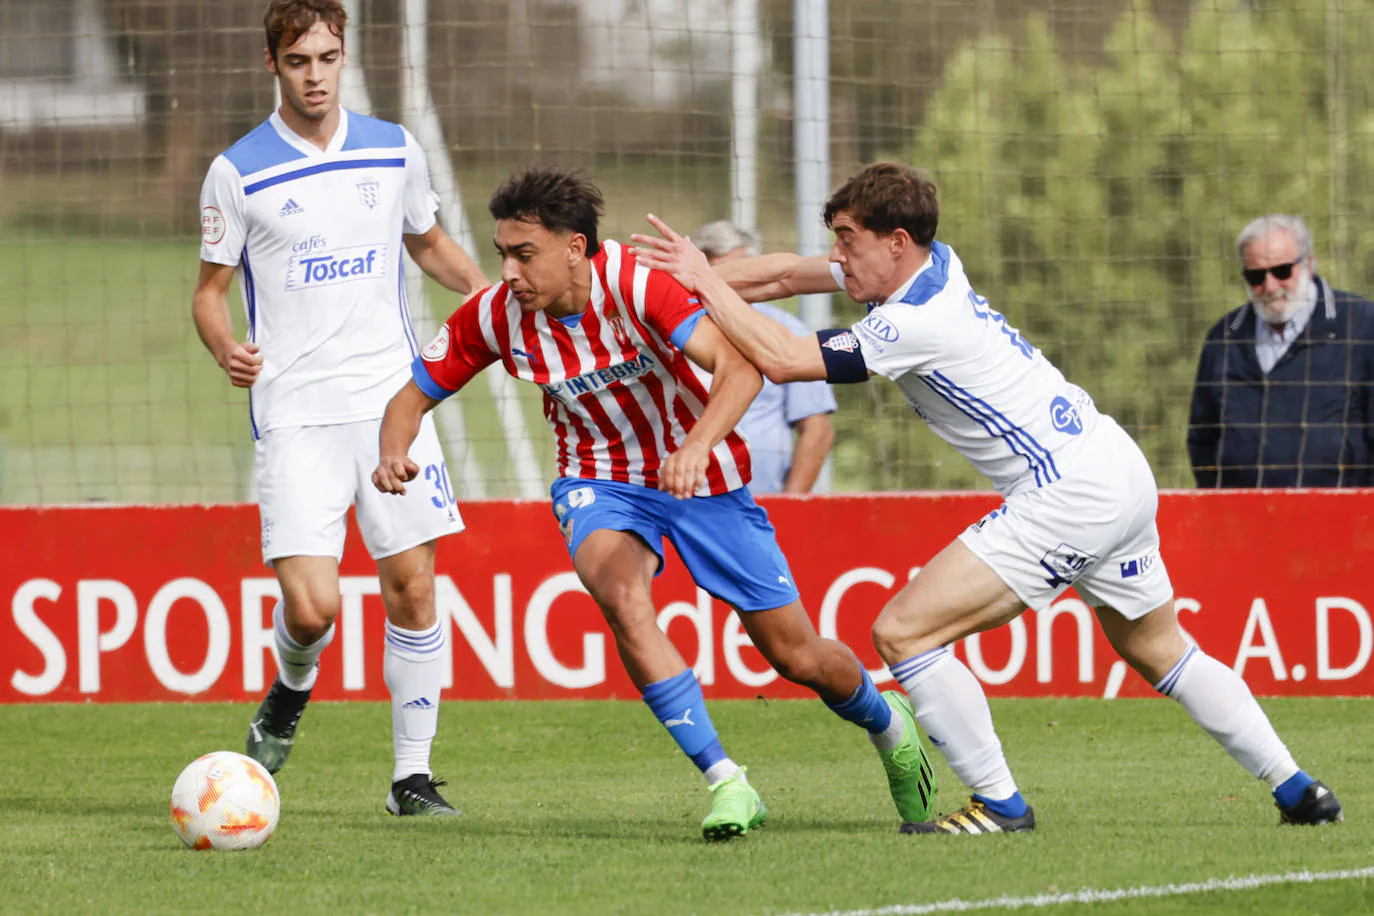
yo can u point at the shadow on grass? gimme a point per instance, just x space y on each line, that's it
73 806
658 831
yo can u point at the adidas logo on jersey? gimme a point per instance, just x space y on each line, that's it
419 703
290 208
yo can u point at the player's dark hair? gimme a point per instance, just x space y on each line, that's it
287 20
561 200
888 196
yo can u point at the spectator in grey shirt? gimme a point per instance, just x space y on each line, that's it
788 426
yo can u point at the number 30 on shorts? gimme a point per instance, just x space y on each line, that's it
437 474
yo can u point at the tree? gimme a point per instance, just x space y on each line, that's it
1096 200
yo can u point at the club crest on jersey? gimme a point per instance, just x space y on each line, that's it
437 348
370 192
622 337
843 343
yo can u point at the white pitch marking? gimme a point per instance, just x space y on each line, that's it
1093 895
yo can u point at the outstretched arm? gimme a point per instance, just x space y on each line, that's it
400 426
778 353
777 276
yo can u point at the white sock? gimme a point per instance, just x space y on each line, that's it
890 737
722 770
298 664
953 710
412 670
1219 700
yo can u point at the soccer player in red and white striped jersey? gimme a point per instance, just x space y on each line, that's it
618 390
644 453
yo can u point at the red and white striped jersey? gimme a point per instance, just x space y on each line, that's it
618 392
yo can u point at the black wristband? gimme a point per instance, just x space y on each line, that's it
844 361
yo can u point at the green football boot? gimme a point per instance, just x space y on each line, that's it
273 729
909 776
735 809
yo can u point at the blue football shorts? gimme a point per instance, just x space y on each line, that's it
726 541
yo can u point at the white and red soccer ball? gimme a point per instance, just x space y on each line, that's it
225 800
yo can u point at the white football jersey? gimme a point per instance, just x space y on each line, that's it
316 236
973 378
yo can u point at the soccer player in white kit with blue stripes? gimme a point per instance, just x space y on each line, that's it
312 211
1080 497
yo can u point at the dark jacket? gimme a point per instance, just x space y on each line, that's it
1308 423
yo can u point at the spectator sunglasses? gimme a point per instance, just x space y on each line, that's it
1255 275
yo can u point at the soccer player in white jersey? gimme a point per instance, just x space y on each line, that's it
644 453
1080 498
311 210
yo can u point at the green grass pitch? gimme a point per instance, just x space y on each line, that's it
588 808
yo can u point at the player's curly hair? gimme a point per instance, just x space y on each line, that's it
559 199
888 196
287 20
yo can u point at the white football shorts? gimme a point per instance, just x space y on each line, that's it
308 476
1094 529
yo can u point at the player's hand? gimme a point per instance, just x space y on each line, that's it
242 364
393 473
673 254
684 471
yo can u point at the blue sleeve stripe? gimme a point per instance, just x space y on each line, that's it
252 296
257 186
251 289
407 324
423 381
683 332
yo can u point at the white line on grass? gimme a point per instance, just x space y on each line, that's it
1093 895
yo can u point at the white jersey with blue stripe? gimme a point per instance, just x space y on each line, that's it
316 236
974 379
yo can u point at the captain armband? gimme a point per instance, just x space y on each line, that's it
844 361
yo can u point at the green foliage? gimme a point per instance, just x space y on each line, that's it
1096 201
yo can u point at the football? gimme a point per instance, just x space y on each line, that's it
225 800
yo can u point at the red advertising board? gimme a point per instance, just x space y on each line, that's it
172 603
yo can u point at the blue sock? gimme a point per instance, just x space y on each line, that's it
1008 807
1289 793
678 704
866 708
